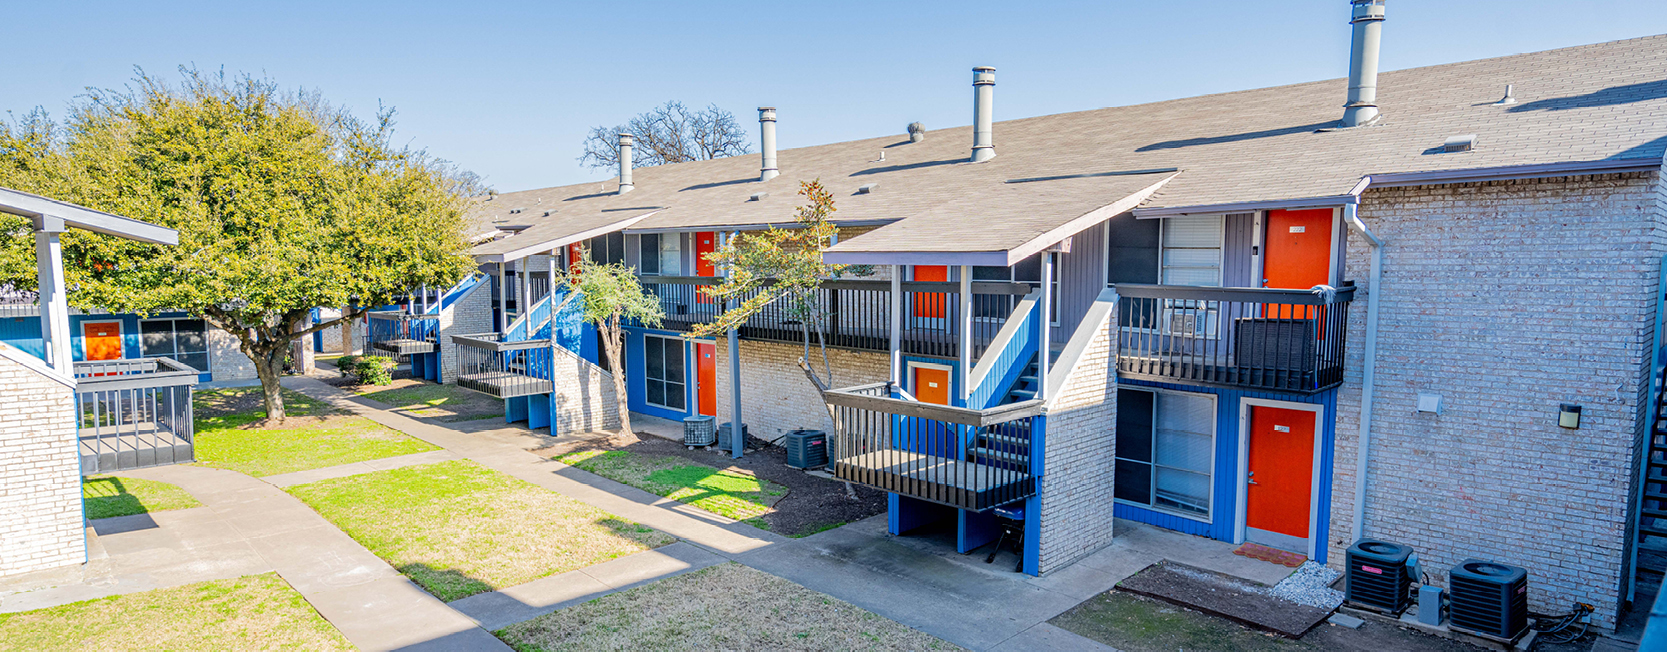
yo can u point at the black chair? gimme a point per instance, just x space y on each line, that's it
1011 519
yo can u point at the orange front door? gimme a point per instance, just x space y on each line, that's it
930 305
574 251
1281 478
705 242
706 378
1298 256
102 340
932 385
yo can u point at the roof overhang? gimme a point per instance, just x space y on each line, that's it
552 244
752 227
1351 197
1509 172
38 208
1005 258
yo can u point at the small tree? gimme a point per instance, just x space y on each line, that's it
669 133
782 266
282 204
613 297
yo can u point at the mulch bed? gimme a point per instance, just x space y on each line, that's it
812 503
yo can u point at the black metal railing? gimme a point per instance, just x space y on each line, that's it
134 413
401 334
857 314
970 459
1291 340
487 364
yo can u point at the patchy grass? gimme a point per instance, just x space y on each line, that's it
314 436
739 496
108 496
725 607
1139 624
257 612
458 529
429 400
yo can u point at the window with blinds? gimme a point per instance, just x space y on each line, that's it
663 372
182 340
1165 450
1191 251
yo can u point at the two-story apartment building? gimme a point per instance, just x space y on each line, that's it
1254 316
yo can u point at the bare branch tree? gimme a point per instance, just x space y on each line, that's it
669 133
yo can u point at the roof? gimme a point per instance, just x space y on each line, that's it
1264 147
23 204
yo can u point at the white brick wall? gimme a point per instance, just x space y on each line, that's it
584 395
40 474
470 314
775 395
225 356
1507 299
1078 459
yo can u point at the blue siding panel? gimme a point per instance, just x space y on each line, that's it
636 386
1224 495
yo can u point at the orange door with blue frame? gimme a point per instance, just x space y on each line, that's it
1280 476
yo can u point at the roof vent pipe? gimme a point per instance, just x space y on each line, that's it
983 113
767 133
1367 18
917 132
625 143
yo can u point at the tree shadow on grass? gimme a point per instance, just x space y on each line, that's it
447 584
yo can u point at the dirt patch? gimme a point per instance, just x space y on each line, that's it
812 503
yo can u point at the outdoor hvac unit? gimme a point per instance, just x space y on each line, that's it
1283 344
699 431
723 436
807 449
1488 599
1378 576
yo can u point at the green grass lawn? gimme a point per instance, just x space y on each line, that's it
725 607
725 493
108 496
257 612
458 529
443 402
314 436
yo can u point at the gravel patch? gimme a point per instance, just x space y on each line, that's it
1310 585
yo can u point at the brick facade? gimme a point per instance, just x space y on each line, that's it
40 473
584 397
775 395
226 359
1506 299
1076 492
470 314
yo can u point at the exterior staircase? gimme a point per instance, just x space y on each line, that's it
1010 446
1652 521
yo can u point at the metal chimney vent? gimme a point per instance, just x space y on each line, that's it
1510 96
758 195
917 132
1463 143
983 113
1367 19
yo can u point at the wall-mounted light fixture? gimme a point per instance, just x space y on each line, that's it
1569 416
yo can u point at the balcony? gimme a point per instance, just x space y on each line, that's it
134 413
858 313
969 459
1249 338
503 369
401 334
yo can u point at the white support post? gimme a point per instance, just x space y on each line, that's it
1044 348
737 437
966 334
523 303
897 326
424 290
54 301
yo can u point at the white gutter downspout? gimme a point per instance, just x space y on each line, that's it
1351 215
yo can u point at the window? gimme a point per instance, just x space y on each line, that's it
1165 450
1191 251
182 340
663 359
648 253
607 249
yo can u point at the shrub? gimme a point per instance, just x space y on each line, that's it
373 369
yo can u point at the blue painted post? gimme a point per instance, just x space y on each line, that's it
515 409
1033 505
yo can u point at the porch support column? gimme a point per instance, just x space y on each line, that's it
966 334
555 423
524 302
54 301
1044 347
897 326
737 438
503 298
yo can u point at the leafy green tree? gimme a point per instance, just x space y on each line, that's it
782 266
283 203
613 297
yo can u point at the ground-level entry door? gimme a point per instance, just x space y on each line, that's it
102 340
1279 477
932 384
706 381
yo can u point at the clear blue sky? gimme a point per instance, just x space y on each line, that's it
509 89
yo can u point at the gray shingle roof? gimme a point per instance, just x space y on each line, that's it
1587 103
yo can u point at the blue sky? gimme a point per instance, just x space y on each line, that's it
508 89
